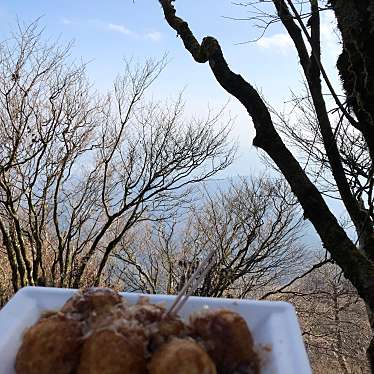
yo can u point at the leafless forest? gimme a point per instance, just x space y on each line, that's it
115 189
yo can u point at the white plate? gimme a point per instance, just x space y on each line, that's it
274 325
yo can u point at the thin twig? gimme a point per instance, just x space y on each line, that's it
321 68
279 290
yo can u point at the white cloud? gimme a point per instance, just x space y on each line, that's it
119 28
154 36
66 21
279 42
329 38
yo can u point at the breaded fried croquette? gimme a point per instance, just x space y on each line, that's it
109 352
91 303
181 356
52 345
97 332
160 326
227 339
145 312
164 330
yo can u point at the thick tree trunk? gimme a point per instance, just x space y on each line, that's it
357 267
356 69
356 63
10 255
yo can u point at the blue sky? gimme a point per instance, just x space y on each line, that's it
105 32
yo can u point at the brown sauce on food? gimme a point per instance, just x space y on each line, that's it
97 331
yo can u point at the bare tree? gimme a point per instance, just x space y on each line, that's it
333 320
300 127
47 123
355 22
254 228
79 170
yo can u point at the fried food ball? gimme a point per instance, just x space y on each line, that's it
109 352
98 332
131 330
181 356
159 325
92 303
52 345
227 340
145 312
165 329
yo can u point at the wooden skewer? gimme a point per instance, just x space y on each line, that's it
193 283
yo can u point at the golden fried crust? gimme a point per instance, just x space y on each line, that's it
227 339
107 352
97 332
164 330
159 326
91 303
181 356
145 312
51 346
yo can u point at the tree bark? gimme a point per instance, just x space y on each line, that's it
357 267
10 255
356 63
360 217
